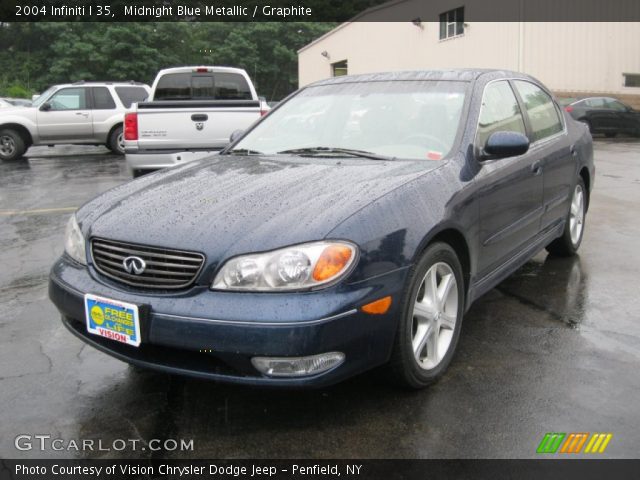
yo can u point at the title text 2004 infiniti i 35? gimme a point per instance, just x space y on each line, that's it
351 227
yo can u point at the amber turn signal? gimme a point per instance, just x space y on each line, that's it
332 261
378 307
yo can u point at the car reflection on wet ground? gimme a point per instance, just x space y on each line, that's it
554 348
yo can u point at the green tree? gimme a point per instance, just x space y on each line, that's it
36 55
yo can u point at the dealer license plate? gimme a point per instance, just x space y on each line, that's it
112 319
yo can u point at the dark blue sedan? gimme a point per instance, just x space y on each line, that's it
350 228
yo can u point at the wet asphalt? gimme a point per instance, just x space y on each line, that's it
554 348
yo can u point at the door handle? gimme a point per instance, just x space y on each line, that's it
82 113
536 168
199 117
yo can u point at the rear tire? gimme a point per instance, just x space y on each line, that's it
431 318
569 243
116 141
12 145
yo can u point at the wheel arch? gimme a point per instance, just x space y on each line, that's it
112 129
457 241
23 131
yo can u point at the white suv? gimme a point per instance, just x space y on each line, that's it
84 113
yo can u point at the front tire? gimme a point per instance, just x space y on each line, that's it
569 243
116 141
12 145
429 327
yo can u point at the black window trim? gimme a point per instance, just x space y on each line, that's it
629 74
446 25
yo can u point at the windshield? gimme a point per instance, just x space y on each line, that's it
404 119
44 96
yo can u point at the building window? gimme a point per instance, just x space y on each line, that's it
339 68
631 79
452 23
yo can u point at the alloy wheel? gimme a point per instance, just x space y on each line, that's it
7 146
435 313
120 142
576 215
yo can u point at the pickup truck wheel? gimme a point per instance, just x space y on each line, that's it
116 141
11 145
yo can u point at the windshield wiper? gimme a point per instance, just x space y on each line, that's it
330 150
241 151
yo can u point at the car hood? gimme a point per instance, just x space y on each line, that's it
225 205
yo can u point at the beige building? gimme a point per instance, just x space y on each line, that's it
594 58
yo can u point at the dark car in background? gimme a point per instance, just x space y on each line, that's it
604 115
351 227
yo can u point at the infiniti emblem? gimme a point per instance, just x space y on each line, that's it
134 265
199 126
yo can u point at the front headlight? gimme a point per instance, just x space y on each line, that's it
298 267
74 241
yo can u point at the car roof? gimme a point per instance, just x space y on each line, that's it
461 75
210 68
580 99
93 83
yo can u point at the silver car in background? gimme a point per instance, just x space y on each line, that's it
82 113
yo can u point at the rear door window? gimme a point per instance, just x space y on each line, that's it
131 95
102 99
543 114
500 112
207 86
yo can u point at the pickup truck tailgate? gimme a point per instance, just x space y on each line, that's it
181 125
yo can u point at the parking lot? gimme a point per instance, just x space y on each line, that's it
554 348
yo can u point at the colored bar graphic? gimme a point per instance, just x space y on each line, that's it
574 443
550 442
598 443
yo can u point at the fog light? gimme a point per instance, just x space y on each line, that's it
297 366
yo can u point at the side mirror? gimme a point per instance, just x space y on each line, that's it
235 135
503 145
46 106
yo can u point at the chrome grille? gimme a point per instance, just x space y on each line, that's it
165 268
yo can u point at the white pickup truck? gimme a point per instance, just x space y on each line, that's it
191 112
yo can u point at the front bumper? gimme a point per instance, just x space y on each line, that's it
233 327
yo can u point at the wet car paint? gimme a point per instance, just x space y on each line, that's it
553 348
228 205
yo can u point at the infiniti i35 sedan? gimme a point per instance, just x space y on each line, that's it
350 228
